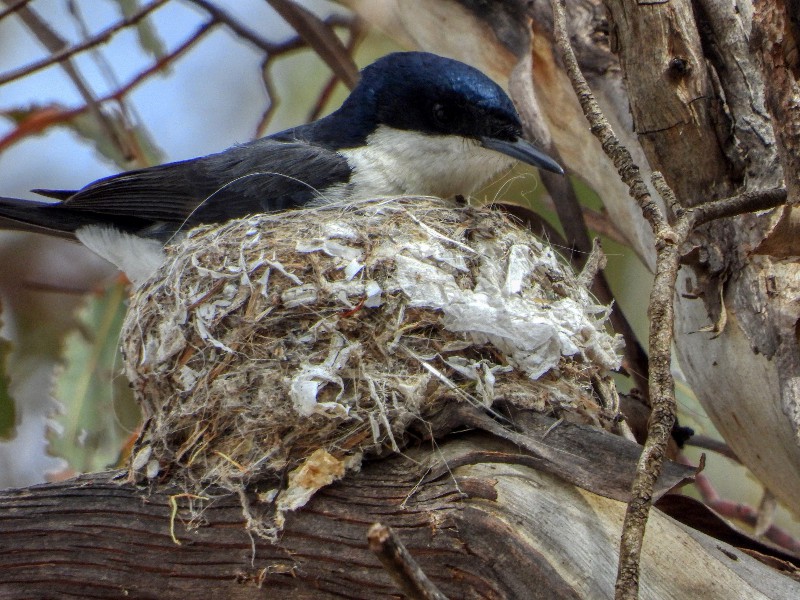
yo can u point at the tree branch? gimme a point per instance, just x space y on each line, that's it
746 202
401 565
660 312
61 52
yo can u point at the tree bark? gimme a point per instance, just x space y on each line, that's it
707 93
477 527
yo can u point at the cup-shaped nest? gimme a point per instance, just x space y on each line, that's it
295 343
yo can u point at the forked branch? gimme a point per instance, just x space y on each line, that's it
669 239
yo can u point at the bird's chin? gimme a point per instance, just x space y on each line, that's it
471 171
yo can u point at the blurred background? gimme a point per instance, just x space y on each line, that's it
64 405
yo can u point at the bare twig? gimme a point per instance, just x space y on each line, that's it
272 96
295 44
660 311
321 38
357 34
127 113
708 443
61 52
739 205
162 62
244 32
12 8
594 264
739 511
401 565
55 116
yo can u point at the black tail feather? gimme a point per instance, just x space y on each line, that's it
41 217
57 194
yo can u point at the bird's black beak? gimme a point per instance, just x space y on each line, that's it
524 151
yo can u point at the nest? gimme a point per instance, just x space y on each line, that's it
282 348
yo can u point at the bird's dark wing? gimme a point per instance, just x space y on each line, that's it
260 176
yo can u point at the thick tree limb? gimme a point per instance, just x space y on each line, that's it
479 529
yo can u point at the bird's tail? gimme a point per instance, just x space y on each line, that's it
41 217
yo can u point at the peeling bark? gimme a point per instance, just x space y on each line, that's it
705 92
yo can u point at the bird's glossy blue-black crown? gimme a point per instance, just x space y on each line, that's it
419 91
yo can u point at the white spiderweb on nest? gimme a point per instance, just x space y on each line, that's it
296 343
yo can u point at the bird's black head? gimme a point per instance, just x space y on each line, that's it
430 94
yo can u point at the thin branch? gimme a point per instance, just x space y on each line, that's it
708 443
270 49
739 511
244 32
278 50
600 128
54 117
127 114
660 312
401 565
321 38
294 43
162 62
56 45
61 52
737 205
12 8
357 34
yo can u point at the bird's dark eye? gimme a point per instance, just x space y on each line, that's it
442 116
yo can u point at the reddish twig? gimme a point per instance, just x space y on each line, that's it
739 511
53 115
12 8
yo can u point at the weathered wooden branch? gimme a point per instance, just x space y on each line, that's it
397 560
479 529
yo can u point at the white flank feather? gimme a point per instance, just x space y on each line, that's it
137 257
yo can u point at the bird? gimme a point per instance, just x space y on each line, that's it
416 124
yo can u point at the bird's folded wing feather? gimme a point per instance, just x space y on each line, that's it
261 176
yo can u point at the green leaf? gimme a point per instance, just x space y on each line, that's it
8 408
99 413
149 39
37 119
87 126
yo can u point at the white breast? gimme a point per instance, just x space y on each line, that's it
395 162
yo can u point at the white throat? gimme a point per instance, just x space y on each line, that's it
396 161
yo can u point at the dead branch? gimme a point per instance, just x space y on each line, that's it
746 202
479 523
660 312
401 565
